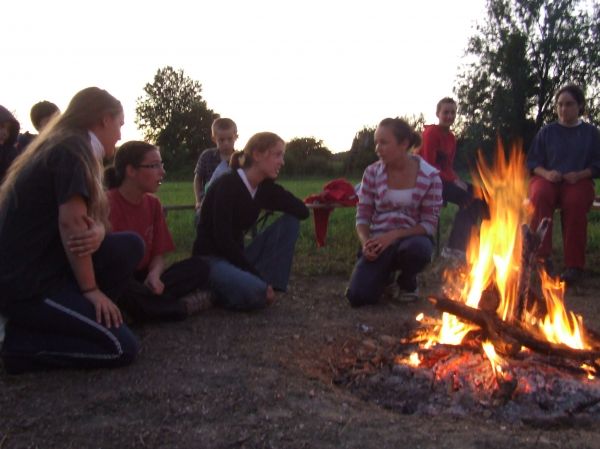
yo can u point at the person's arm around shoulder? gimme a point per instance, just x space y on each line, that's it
87 242
71 221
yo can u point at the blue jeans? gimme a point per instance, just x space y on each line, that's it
369 278
271 253
61 330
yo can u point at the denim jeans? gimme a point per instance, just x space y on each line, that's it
471 211
61 330
271 252
369 278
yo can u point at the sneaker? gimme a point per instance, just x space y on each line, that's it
408 296
197 301
395 293
455 257
571 275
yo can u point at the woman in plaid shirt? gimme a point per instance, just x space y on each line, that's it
399 205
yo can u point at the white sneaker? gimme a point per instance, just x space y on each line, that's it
408 296
394 293
454 254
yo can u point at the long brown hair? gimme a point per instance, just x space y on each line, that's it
260 142
87 108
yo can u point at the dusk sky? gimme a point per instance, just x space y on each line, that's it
300 69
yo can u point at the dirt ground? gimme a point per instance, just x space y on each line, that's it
258 380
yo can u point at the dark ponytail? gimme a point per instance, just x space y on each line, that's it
130 153
260 142
402 131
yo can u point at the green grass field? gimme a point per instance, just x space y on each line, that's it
339 254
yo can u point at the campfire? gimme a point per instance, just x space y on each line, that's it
505 333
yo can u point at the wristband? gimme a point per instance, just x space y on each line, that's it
89 290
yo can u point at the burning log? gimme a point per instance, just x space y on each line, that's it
531 244
508 336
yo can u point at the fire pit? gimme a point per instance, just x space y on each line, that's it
505 346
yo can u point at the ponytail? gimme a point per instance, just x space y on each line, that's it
112 179
237 160
402 131
130 153
259 142
414 140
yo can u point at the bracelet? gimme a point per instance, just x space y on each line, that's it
89 290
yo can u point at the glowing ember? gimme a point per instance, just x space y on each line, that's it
414 359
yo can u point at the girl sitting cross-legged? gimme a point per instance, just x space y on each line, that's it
155 292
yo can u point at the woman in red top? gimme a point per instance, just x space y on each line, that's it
155 292
439 149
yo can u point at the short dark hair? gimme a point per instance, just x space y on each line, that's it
223 124
40 111
442 101
576 92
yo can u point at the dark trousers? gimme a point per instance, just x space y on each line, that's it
61 330
470 212
369 278
179 279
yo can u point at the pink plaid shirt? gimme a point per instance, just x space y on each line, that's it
381 215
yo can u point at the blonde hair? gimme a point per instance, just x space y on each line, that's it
87 108
260 142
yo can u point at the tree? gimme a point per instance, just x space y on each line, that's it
522 53
307 155
174 116
362 152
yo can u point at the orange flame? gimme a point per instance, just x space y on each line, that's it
560 325
492 356
494 258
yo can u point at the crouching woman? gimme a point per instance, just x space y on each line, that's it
59 299
398 208
246 278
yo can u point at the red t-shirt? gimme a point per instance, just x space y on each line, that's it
146 219
439 149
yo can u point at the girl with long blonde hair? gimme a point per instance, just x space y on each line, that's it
59 271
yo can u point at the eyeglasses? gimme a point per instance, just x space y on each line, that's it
155 166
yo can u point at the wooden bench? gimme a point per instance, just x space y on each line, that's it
176 207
